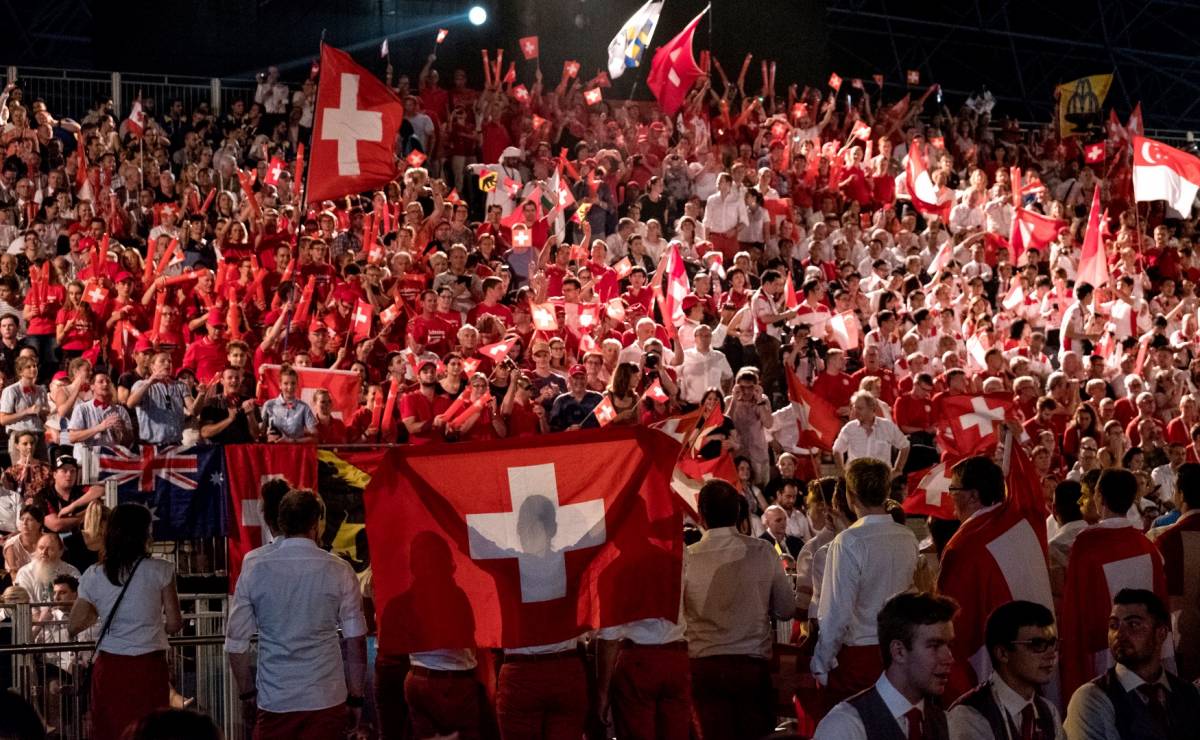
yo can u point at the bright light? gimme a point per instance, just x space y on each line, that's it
477 15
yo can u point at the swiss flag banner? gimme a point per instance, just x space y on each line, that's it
674 70
247 468
968 425
343 385
354 130
929 492
508 544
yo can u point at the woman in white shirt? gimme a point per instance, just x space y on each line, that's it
129 678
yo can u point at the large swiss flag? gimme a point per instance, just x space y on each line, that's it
509 544
970 424
354 130
344 387
247 468
674 69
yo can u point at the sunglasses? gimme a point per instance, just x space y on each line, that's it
1039 645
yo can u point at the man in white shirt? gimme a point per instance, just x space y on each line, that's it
731 586
915 630
846 658
867 435
1022 641
296 596
724 214
701 367
37 576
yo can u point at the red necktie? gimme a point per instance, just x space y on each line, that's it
916 729
1027 723
101 405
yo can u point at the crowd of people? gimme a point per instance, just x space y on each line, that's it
516 279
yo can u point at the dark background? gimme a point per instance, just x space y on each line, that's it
1019 50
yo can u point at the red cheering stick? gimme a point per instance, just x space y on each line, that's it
247 181
368 235
164 260
487 68
234 316
387 427
470 412
158 307
187 277
208 200
305 304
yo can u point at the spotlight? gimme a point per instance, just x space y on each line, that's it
477 15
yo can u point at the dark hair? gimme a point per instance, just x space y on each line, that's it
34 511
984 476
1066 500
299 512
1154 605
718 504
126 540
18 719
1187 482
69 581
175 724
1117 488
1006 621
869 480
272 493
903 613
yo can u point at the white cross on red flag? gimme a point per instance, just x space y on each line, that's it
969 425
674 69
274 170
529 47
355 125
363 313
929 492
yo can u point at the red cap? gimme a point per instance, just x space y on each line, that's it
122 276
577 370
85 244
143 344
690 302
216 318
346 292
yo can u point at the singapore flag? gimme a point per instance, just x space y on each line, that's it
1161 172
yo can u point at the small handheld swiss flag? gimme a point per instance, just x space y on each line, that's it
1093 153
363 313
521 93
529 47
862 130
914 77
835 81
498 351
570 68
274 170
593 96
415 158
605 412
441 35
543 317
656 393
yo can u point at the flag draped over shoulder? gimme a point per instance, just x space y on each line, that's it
520 543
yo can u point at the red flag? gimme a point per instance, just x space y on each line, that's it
1135 128
1161 172
415 158
691 473
656 393
521 94
137 119
623 267
913 77
247 468
922 189
1032 230
354 130
1094 153
835 81
674 70
1093 263
441 35
969 425
498 351
878 80
543 317
677 287
274 170
593 96
95 294
862 130
344 387
529 47
816 417
929 492
523 544
605 412
570 68
361 320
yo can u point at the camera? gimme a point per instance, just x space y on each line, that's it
651 361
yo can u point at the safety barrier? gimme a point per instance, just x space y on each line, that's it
39 660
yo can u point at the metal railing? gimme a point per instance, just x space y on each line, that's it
50 670
72 92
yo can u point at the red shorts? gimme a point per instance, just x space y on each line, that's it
126 688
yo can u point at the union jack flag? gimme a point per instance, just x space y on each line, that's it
184 487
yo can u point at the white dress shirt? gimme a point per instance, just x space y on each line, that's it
701 371
845 723
854 587
296 596
1090 714
725 214
855 440
966 723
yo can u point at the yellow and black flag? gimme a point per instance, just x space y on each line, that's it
1079 104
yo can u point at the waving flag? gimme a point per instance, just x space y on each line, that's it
1161 172
929 492
184 487
522 544
343 385
921 187
674 70
627 47
1093 263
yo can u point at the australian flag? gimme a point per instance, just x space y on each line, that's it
184 487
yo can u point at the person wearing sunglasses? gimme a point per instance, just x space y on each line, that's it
1022 642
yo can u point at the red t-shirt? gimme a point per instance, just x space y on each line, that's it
415 405
837 388
500 311
206 358
81 333
53 300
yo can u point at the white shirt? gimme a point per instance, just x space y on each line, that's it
42 593
295 596
1090 714
845 723
967 724
139 626
724 214
854 587
785 430
701 371
855 440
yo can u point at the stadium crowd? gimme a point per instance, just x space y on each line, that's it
508 278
